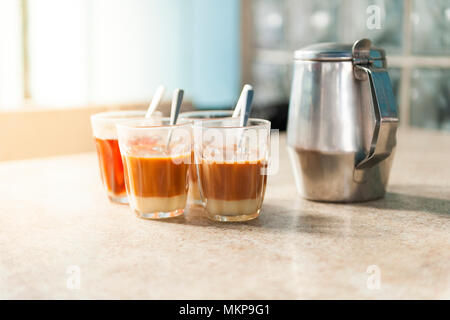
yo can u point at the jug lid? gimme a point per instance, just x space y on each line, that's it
331 51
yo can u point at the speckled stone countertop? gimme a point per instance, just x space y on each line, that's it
56 226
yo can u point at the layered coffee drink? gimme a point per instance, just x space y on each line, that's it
232 163
157 184
233 188
156 162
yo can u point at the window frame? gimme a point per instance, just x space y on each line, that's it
406 61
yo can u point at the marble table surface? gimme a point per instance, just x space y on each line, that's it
61 238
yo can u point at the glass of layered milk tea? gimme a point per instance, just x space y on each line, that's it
156 162
231 163
110 161
193 116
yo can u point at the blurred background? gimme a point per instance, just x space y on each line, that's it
62 60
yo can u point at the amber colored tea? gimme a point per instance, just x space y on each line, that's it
111 167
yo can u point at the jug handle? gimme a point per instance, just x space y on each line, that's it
384 135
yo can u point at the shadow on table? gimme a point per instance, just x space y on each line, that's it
300 220
432 199
196 216
284 218
294 217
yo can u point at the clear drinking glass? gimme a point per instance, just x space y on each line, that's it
231 163
110 162
156 165
194 194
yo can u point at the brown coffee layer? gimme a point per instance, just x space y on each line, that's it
233 180
156 176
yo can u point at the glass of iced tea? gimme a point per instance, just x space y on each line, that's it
156 166
194 194
231 163
110 161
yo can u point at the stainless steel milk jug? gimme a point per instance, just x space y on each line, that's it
342 122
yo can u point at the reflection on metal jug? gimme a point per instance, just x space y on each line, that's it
342 122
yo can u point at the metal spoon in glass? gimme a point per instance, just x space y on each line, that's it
155 101
240 102
247 102
177 98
